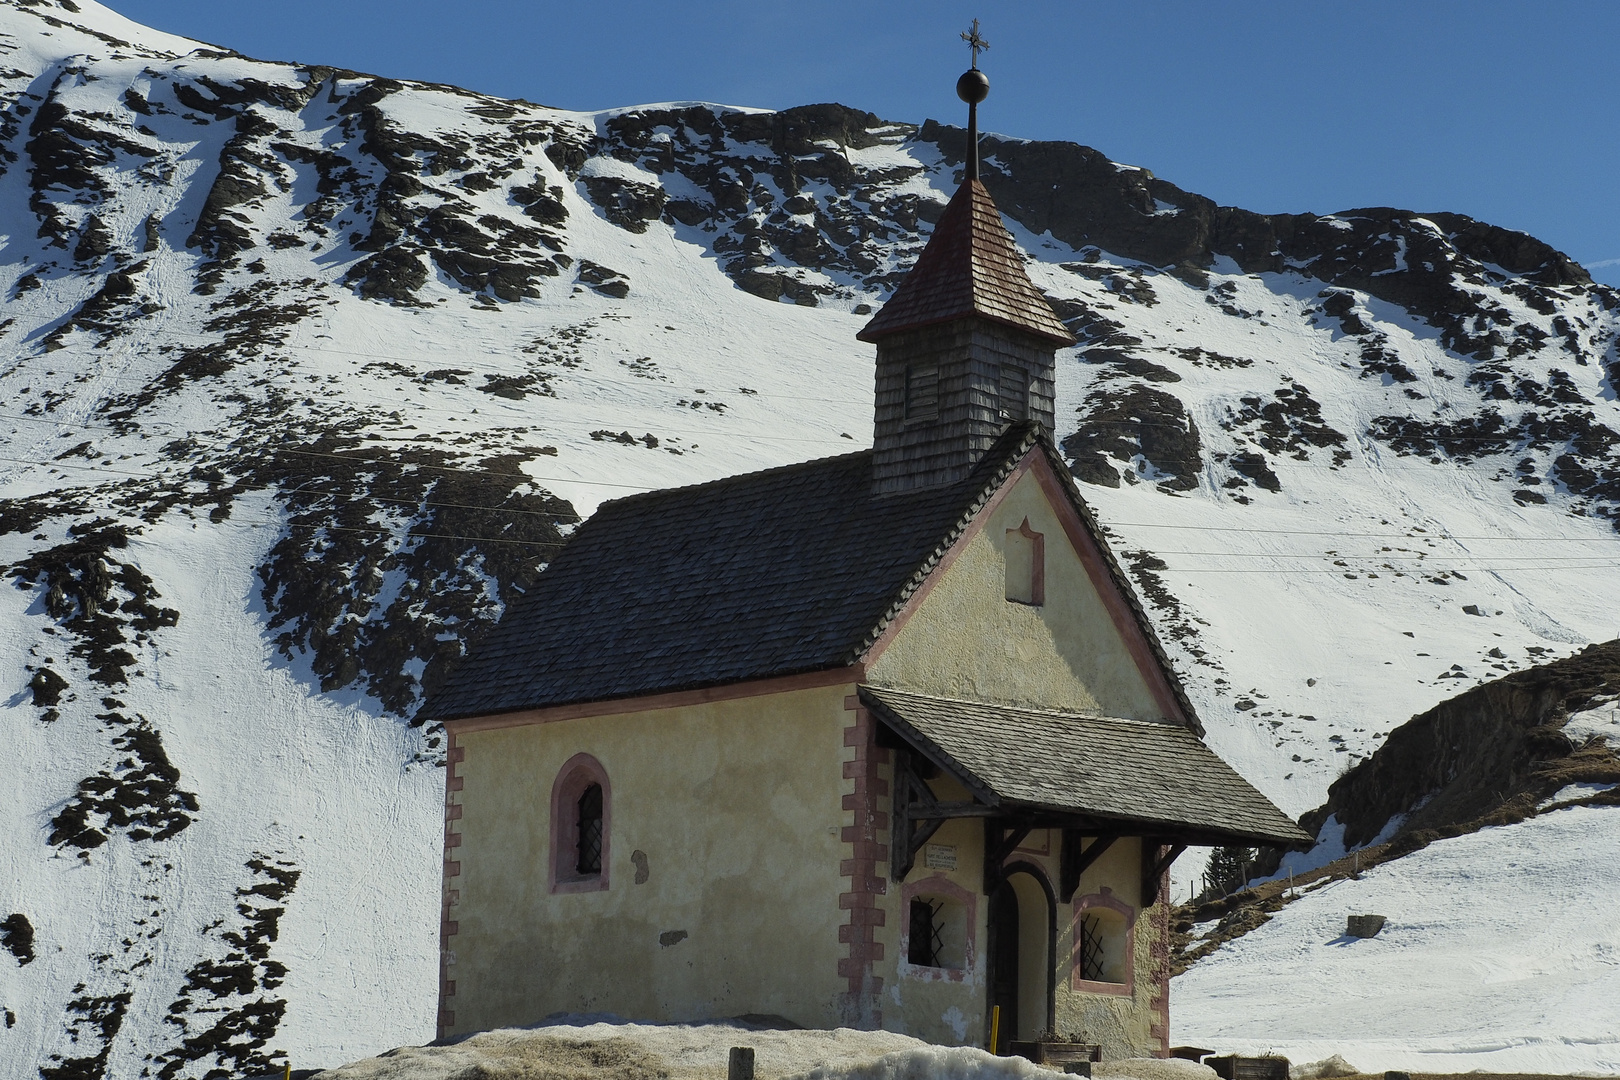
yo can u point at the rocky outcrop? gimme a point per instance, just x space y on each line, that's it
1495 748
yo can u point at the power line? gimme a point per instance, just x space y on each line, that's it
466 472
1366 573
1349 535
474 366
357 460
1376 557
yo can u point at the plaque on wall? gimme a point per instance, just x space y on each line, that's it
940 856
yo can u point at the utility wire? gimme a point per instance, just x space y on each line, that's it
1108 526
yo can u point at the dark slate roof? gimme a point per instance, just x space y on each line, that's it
971 266
769 573
1154 777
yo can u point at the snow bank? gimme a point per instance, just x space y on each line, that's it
970 1063
588 1048
1500 954
612 1050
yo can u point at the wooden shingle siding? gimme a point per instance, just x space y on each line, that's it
968 356
970 267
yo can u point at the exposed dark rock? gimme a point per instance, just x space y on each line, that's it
1206 358
103 603
626 203
226 1013
47 687
221 231
1173 620
1477 752
1131 364
94 1020
109 311
1289 424
1126 422
604 280
323 581
137 794
394 274
17 937
544 205
1341 303
94 242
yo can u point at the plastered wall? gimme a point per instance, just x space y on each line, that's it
733 808
1123 1021
940 1005
966 640
950 1007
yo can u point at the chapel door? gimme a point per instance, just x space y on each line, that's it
1004 963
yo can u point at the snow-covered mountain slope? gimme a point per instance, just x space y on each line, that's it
1497 955
305 372
1481 830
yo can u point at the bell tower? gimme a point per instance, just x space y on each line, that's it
966 345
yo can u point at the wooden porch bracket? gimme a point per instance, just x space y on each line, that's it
1074 860
915 814
1154 865
1001 838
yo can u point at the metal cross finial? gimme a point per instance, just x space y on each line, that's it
975 42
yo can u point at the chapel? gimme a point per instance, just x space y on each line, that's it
883 740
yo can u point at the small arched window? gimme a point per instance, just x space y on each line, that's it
581 826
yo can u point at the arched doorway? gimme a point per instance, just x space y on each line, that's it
1022 933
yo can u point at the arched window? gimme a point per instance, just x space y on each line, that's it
581 826
1104 943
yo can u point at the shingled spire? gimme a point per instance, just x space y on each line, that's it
965 345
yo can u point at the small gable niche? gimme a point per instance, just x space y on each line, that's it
1026 565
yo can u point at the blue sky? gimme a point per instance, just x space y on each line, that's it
1509 112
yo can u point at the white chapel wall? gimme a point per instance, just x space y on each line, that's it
967 640
734 808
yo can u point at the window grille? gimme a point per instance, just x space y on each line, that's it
1014 393
927 933
1091 949
590 831
922 392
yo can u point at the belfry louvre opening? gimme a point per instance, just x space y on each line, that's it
922 392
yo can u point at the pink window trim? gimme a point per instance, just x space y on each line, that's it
1037 556
938 885
1103 899
577 774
